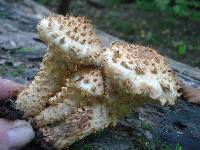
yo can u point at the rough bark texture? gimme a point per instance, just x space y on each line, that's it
149 127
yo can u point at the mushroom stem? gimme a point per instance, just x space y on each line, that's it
46 83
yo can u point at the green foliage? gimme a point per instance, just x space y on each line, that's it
162 4
181 8
147 4
123 26
196 16
160 145
142 143
178 147
113 2
181 47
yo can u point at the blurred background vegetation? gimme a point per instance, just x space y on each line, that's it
170 26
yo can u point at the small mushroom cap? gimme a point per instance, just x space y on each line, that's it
81 87
140 70
88 81
74 35
84 121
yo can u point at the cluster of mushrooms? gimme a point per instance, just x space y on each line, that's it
82 88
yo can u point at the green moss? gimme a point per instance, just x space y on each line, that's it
142 143
87 147
11 72
145 126
161 145
178 147
25 49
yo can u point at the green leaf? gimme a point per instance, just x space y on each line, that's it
181 46
178 147
196 16
181 50
162 4
180 10
111 3
25 49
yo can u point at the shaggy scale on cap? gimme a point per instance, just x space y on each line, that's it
74 35
87 82
140 70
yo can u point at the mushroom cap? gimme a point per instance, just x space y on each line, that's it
88 81
140 70
83 122
74 35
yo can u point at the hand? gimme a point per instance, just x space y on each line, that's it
13 134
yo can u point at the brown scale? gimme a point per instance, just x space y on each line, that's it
62 40
139 70
95 80
86 81
154 71
164 86
124 64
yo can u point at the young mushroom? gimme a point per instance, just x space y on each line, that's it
74 35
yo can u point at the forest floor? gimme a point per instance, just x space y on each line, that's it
175 37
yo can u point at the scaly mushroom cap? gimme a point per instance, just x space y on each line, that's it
140 70
87 82
74 35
